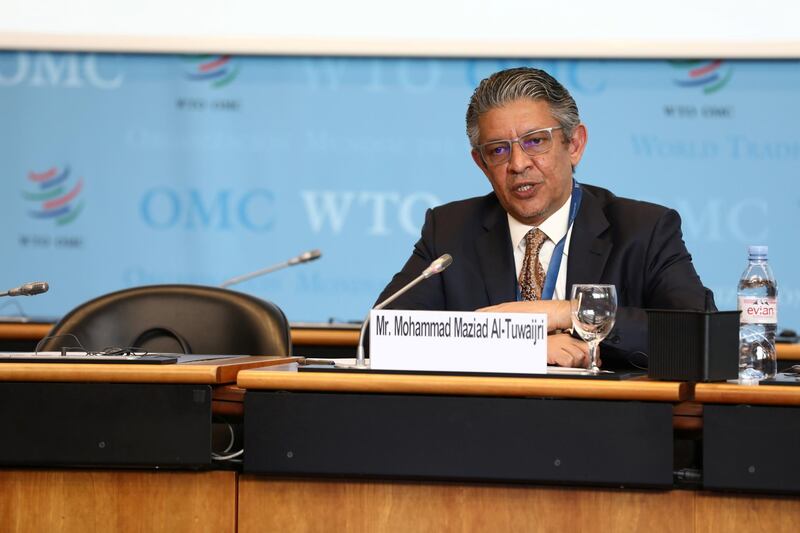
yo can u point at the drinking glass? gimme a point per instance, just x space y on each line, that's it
593 309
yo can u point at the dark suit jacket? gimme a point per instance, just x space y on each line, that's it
636 246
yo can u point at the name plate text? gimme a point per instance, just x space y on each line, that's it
458 341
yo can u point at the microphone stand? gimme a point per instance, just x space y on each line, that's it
302 258
435 267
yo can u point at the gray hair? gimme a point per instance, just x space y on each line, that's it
507 86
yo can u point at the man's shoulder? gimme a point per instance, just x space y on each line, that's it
476 203
612 204
475 210
462 219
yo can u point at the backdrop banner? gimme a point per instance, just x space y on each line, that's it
125 170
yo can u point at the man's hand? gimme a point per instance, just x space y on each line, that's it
565 350
557 311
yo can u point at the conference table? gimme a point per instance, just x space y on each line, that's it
366 451
311 339
751 436
308 339
68 428
444 461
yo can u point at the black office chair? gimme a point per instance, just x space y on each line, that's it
176 319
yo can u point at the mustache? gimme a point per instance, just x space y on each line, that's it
524 177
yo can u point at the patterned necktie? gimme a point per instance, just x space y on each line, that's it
531 275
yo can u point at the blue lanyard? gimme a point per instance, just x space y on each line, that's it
555 260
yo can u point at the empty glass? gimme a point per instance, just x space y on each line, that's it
593 309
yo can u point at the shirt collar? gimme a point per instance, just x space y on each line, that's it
555 226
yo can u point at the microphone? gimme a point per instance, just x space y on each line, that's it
436 267
305 257
28 289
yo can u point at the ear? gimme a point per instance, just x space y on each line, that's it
577 144
476 156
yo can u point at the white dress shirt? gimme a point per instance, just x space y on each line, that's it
555 227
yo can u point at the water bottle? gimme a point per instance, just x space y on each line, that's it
758 321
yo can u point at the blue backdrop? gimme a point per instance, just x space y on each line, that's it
123 170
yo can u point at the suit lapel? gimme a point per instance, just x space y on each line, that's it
496 258
590 244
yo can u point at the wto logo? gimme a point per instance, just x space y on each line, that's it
711 76
57 199
218 70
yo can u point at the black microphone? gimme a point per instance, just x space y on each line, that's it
305 257
436 267
29 289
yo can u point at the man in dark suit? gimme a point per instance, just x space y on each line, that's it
520 248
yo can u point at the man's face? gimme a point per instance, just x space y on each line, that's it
530 188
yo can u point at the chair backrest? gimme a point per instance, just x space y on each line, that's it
176 319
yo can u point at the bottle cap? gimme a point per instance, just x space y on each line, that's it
757 252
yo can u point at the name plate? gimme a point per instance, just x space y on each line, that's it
458 341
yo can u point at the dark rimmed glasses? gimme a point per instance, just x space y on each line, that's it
532 143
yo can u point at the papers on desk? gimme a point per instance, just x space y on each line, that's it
193 358
551 370
566 371
348 366
83 357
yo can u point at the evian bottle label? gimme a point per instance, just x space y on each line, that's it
758 310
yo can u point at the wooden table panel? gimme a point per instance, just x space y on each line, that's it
80 501
198 372
747 394
687 416
716 512
301 336
787 351
377 506
24 331
228 400
325 337
462 385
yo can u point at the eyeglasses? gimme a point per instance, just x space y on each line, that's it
532 143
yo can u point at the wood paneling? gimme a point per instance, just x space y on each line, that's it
463 385
200 372
746 512
325 337
227 400
301 336
749 394
129 501
23 332
788 351
687 416
374 506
